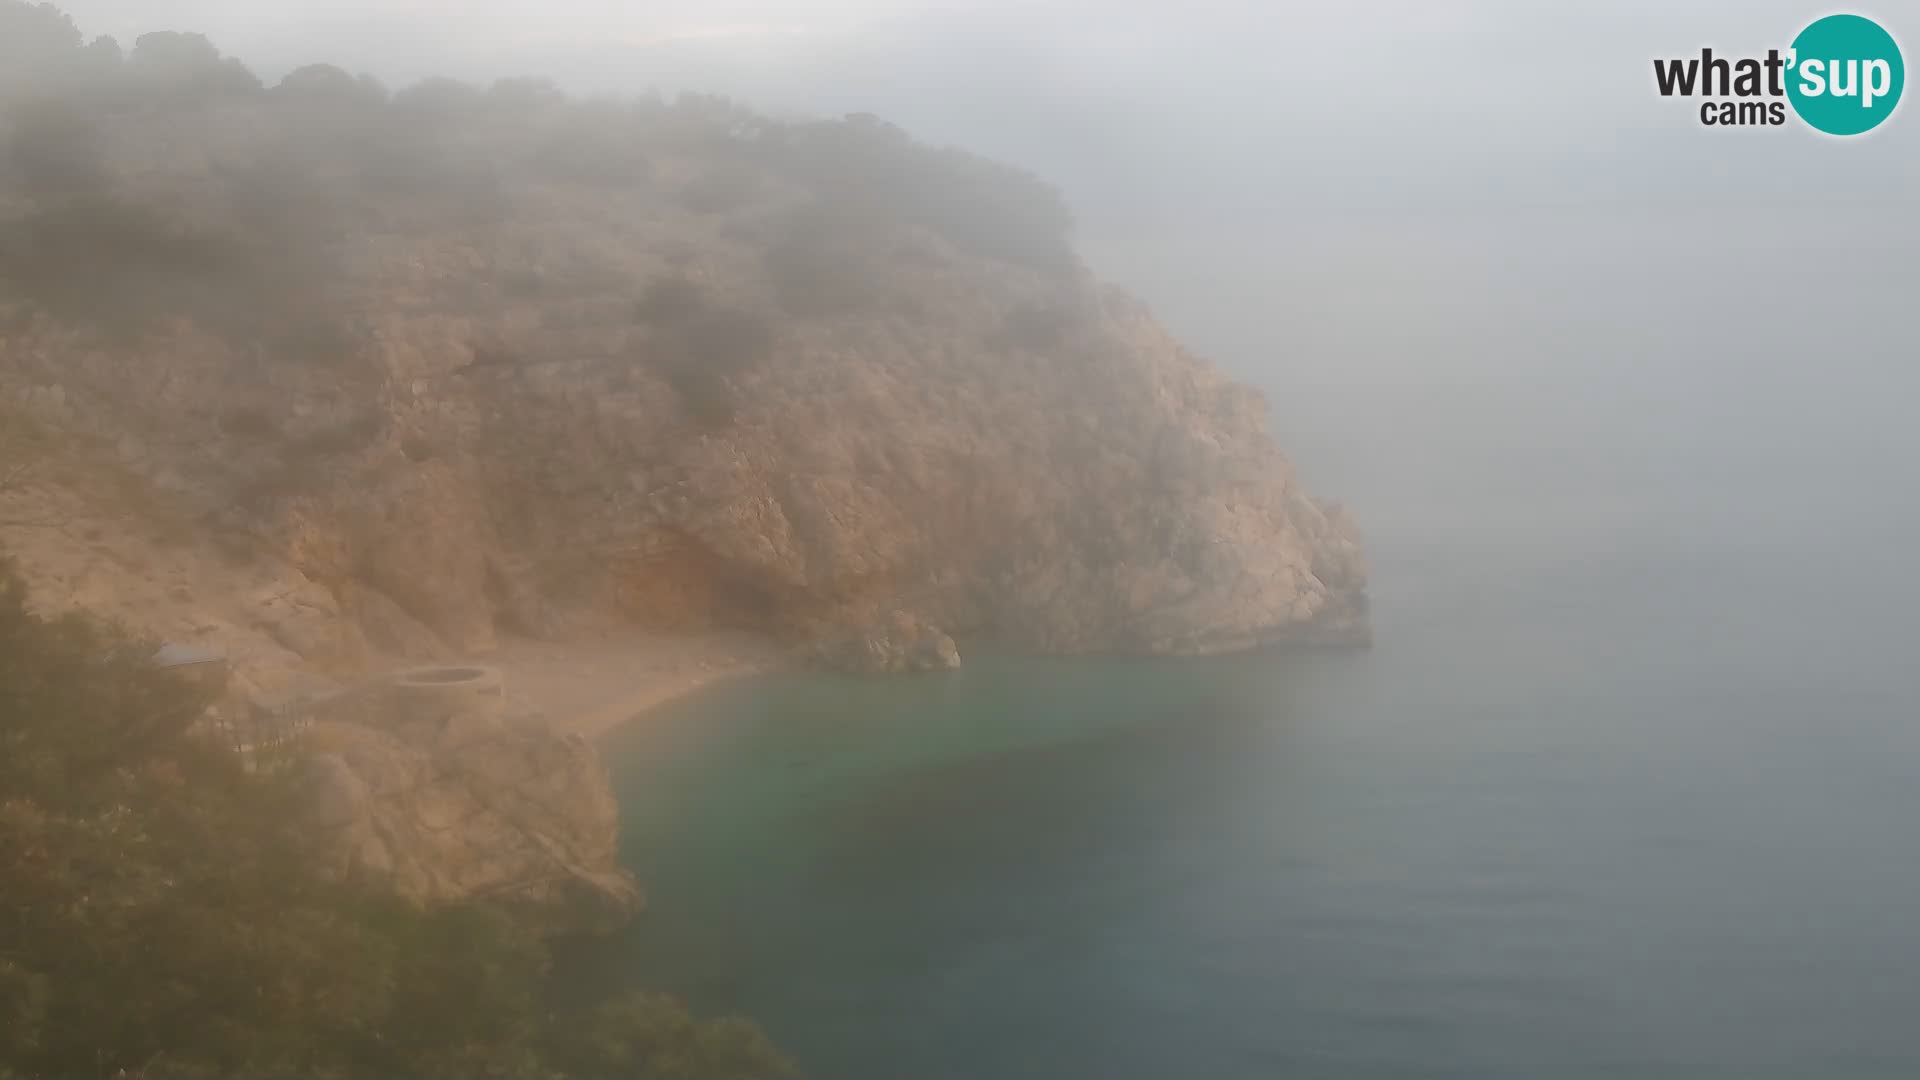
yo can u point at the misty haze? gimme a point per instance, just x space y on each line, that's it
902 540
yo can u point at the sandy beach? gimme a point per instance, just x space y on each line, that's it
595 685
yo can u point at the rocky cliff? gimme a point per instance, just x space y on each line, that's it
442 796
327 375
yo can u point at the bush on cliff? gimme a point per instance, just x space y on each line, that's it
700 346
55 150
39 45
159 916
981 206
185 67
325 83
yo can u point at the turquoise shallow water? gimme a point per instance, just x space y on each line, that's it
1610 813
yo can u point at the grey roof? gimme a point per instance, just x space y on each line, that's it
186 656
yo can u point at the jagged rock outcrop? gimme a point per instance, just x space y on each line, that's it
899 642
729 385
443 801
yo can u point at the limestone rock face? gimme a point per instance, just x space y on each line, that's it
505 438
455 804
900 642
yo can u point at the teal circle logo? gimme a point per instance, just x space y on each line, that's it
1846 75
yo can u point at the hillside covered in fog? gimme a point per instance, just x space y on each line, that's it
332 375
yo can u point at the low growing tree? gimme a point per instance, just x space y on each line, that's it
160 915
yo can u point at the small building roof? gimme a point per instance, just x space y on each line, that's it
171 656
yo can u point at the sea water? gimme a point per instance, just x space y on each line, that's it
1559 822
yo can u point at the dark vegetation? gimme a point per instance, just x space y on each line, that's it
159 915
721 190
1038 328
828 258
982 207
702 347
248 244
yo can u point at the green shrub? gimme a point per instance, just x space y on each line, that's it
54 149
39 45
124 268
315 336
706 394
721 189
703 350
830 258
729 339
982 207
1037 328
180 67
587 147
438 99
160 914
525 94
114 264
670 301
327 84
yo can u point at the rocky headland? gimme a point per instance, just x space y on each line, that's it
337 380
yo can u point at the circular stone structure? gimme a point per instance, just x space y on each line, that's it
452 689
442 676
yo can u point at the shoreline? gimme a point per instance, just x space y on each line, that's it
598 723
593 687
